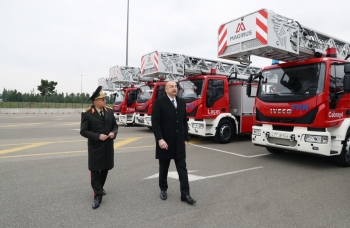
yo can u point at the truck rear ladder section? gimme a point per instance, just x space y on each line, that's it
106 84
166 64
270 35
120 76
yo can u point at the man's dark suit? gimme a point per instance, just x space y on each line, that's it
170 124
101 153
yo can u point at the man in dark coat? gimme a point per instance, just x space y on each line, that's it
98 124
170 129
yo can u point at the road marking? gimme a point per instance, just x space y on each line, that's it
19 117
192 177
18 125
28 146
196 140
45 154
82 140
69 152
71 124
43 142
125 141
222 151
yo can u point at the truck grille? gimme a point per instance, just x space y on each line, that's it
282 142
306 119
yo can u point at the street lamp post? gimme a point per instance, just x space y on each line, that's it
127 35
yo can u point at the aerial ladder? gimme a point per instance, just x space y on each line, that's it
174 66
301 104
267 34
214 92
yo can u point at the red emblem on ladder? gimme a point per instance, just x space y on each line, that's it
240 27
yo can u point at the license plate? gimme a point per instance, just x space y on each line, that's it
280 135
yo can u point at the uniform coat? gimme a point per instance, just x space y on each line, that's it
101 153
170 124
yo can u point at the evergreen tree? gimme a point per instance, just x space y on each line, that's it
47 88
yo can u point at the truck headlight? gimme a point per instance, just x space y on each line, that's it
316 139
256 132
198 125
148 119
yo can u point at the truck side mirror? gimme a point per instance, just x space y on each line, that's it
209 99
346 81
160 92
130 97
250 79
249 89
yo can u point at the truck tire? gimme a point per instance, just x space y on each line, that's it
275 150
149 128
344 158
224 132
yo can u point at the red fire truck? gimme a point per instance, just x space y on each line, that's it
125 92
213 90
301 104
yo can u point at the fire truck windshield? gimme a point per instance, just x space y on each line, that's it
119 96
145 94
292 83
190 90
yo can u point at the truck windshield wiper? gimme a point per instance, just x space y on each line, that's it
271 94
189 98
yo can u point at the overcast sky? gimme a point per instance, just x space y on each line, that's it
69 40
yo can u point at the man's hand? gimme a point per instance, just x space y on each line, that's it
163 144
186 144
111 135
103 137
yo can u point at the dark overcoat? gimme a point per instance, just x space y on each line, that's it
101 153
170 124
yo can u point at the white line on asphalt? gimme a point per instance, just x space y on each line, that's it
222 151
192 177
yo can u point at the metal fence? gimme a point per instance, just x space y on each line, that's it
22 104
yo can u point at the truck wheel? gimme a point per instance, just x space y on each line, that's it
344 158
149 128
224 132
274 150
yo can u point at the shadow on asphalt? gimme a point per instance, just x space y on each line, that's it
303 160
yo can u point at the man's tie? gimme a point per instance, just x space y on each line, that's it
173 101
101 112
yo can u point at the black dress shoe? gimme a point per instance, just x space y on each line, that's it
103 192
96 203
187 199
163 195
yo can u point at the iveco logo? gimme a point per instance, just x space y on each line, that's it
280 111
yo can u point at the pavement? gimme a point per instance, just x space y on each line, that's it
45 182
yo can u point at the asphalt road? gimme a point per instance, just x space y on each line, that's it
45 182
